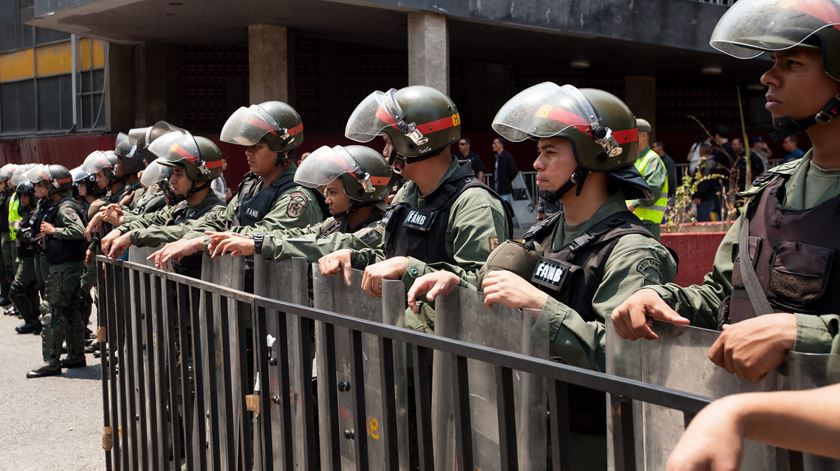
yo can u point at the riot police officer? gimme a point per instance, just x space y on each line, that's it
7 245
195 162
354 180
775 274
268 197
443 217
24 290
62 230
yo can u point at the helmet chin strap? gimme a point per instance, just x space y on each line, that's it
577 179
787 127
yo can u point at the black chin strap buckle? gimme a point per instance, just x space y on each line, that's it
829 111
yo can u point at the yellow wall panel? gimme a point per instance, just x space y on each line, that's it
16 65
85 54
55 59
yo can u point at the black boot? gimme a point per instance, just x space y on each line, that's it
50 368
27 328
74 361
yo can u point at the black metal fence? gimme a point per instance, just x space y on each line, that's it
192 379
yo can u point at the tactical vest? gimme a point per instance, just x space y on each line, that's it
25 246
191 265
4 212
572 276
41 210
254 205
63 250
420 233
656 212
794 253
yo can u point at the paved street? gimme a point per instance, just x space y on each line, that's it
48 423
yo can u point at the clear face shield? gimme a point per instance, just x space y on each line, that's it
154 173
247 127
547 110
750 27
326 164
96 161
19 175
377 112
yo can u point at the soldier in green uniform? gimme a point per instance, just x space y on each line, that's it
195 162
583 261
268 197
24 290
62 231
7 244
442 218
354 180
780 293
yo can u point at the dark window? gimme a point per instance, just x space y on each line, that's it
18 106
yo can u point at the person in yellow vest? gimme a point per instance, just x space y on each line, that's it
653 170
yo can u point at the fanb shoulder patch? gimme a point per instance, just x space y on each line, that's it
298 201
70 214
370 235
651 270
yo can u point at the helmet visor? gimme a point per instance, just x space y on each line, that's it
38 174
19 175
544 110
154 173
325 165
247 126
96 161
750 27
78 174
376 112
6 171
176 147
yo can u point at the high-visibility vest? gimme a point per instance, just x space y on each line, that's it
14 207
656 212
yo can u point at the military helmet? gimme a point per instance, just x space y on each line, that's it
200 158
130 159
154 173
6 171
101 160
141 138
25 188
601 127
420 121
81 177
57 178
363 171
19 174
751 27
273 122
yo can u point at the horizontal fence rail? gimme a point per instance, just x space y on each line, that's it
202 374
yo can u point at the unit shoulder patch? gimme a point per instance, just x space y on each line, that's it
298 201
651 269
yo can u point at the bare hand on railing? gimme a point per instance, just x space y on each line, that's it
88 256
633 318
713 441
511 290
113 214
391 269
176 251
229 242
752 348
119 245
433 284
93 226
338 261
106 241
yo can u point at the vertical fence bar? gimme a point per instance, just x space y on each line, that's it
246 448
623 434
463 426
282 400
104 310
136 347
359 409
560 432
422 359
125 372
198 379
177 429
159 347
507 421
227 376
184 380
331 388
305 354
264 414
212 379
389 403
154 430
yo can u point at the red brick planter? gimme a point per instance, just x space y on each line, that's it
696 245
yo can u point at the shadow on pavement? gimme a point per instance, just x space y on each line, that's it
88 372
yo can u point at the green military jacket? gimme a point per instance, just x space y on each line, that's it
297 207
156 228
807 187
317 240
477 224
635 261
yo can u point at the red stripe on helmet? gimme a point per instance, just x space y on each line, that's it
377 181
626 136
296 130
183 153
214 163
383 115
822 10
262 125
440 124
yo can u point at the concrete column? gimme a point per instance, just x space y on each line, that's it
640 96
119 104
428 50
268 63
